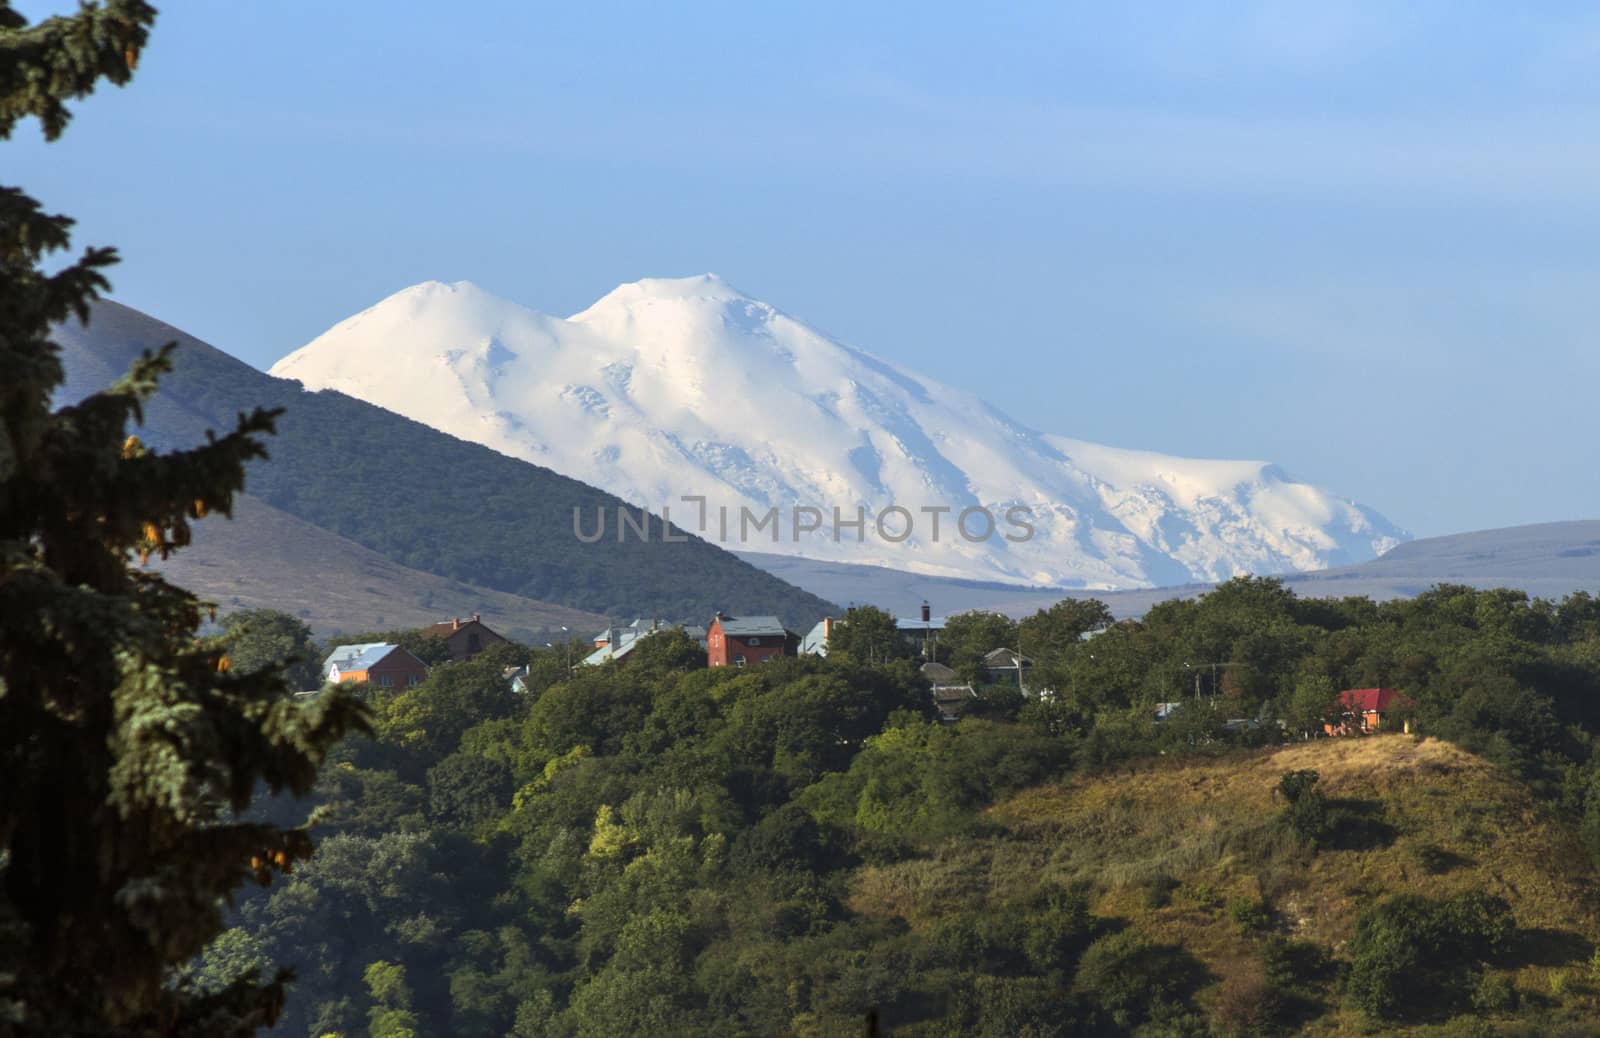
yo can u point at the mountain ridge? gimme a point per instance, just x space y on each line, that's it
421 498
666 388
1544 560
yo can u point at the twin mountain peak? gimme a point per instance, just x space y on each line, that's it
669 388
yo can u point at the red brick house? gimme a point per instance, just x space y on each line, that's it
743 641
1369 710
375 663
464 638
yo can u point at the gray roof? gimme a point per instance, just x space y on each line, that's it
623 640
1004 659
344 654
371 658
747 626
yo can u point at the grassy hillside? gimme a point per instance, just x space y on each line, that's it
423 499
268 559
1174 848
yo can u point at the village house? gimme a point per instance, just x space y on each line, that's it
735 641
374 663
1369 710
464 638
950 693
815 642
615 643
920 633
1006 667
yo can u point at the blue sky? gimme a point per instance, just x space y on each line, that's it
1360 240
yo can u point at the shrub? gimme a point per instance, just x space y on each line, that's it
1203 896
1129 977
1295 786
1307 813
1495 993
1250 915
1293 964
1158 890
988 941
1410 954
1057 928
1245 1005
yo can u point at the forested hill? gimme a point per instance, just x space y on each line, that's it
652 847
420 497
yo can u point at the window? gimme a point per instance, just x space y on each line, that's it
474 643
752 641
738 661
412 681
385 680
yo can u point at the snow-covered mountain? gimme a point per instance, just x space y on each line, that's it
668 389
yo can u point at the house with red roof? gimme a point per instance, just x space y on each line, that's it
1370 710
465 638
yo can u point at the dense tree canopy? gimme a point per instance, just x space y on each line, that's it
652 845
258 639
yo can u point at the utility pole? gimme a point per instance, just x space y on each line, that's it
1213 665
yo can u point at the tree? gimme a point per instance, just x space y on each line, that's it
968 636
867 634
390 1015
464 790
1050 634
260 638
1313 704
434 715
127 745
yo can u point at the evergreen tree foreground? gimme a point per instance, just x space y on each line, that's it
128 745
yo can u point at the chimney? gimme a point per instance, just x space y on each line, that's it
926 613
476 620
455 623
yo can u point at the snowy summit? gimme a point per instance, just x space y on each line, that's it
667 388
